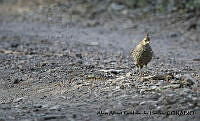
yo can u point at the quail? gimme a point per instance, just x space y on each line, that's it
142 53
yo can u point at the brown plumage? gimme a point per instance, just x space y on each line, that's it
142 54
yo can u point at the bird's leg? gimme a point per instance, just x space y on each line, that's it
140 72
145 66
136 69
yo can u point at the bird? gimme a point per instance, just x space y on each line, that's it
142 53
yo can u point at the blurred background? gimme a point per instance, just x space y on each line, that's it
98 12
95 8
72 58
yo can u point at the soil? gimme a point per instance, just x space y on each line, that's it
84 71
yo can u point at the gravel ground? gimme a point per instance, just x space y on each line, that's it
83 71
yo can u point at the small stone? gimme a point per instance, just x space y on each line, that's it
79 55
18 99
166 77
63 97
43 64
90 76
196 59
129 74
116 71
174 86
116 6
17 81
91 23
74 116
185 80
14 45
125 12
93 43
168 99
144 79
122 87
153 87
174 82
117 87
56 107
112 71
174 35
148 102
160 83
178 76
38 106
53 117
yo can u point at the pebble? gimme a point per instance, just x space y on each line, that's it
185 80
148 102
117 7
112 71
174 86
188 80
129 74
53 117
166 77
18 100
56 107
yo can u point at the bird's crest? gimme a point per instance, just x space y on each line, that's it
146 39
147 34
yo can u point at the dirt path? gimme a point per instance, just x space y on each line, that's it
71 72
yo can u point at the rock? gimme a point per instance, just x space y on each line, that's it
53 117
174 34
14 45
174 86
79 55
91 76
122 87
38 106
196 59
93 44
196 101
117 7
129 74
144 79
112 71
178 76
63 97
168 99
80 9
185 80
55 107
18 100
153 87
166 77
116 71
117 87
160 83
17 81
91 23
148 102
125 12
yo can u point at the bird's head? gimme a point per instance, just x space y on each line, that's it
146 39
